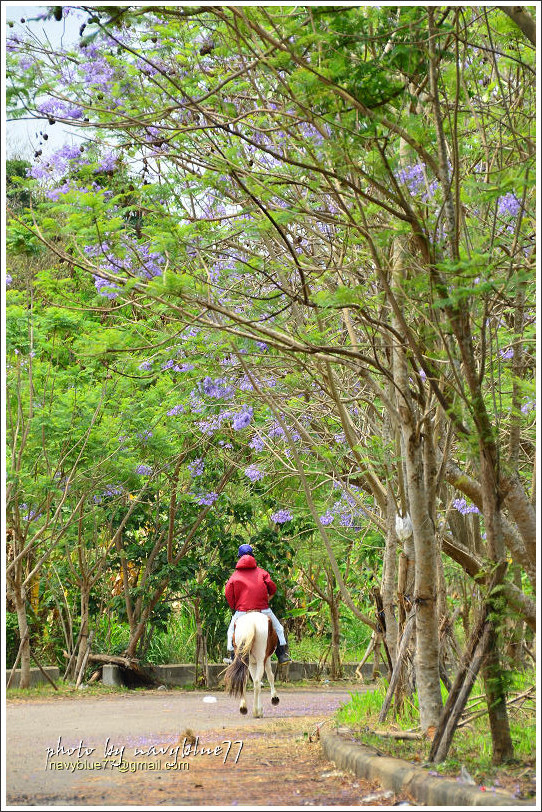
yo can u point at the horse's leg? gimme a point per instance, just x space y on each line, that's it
256 672
243 705
271 680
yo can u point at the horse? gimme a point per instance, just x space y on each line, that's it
254 641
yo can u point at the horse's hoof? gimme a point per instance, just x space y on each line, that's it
243 710
275 700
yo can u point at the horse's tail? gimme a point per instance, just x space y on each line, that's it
236 673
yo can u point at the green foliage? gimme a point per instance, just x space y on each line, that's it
12 638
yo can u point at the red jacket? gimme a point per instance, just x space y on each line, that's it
250 586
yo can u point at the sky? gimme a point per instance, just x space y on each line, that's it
22 137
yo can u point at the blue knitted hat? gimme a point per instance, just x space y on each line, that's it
245 549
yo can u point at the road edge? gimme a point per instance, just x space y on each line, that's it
402 777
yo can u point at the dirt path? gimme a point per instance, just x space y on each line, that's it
269 761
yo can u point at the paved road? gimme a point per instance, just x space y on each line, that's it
67 751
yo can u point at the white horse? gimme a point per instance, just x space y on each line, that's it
254 641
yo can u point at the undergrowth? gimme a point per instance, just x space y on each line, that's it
471 746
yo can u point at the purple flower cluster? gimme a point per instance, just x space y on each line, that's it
31 515
67 158
509 206
528 406
282 516
145 366
59 109
144 435
242 418
327 518
179 409
216 388
414 178
507 354
254 473
108 163
9 280
196 467
206 498
135 259
143 470
110 491
346 508
257 443
108 289
275 431
463 507
97 71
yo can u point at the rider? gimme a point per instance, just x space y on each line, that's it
250 588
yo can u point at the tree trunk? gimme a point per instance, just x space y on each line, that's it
503 748
83 637
336 668
389 575
426 659
24 635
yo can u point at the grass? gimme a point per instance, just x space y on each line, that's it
311 649
46 691
471 746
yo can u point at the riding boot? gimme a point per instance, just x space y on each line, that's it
282 654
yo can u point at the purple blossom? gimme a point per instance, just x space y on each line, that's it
9 280
242 418
145 366
59 109
327 518
176 410
414 178
528 406
254 473
144 470
113 490
464 508
31 515
509 205
282 516
97 71
144 435
276 430
257 444
196 467
25 63
506 355
216 388
206 498
105 288
184 367
262 346
108 163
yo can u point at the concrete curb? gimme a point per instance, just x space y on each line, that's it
400 776
36 677
184 674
